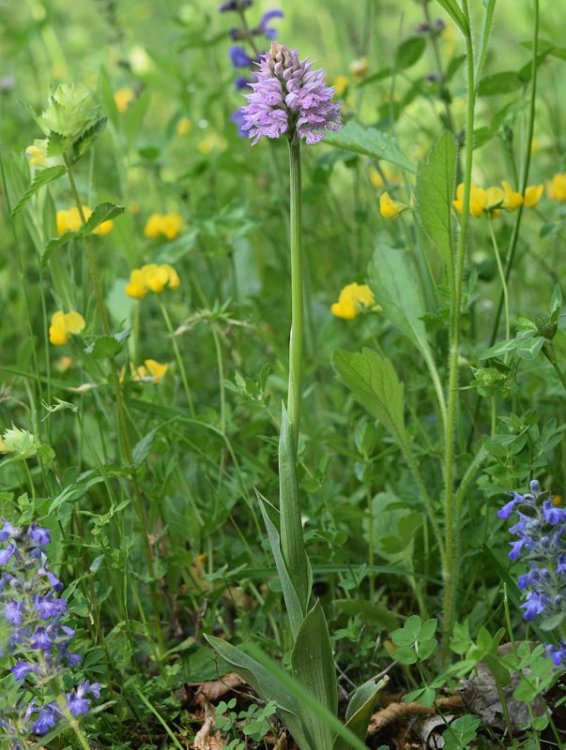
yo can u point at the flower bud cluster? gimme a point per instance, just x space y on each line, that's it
541 543
38 643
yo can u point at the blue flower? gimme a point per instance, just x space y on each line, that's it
533 606
553 514
239 57
266 30
46 720
509 507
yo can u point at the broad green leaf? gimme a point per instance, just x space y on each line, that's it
142 448
409 52
374 383
42 178
435 187
271 689
293 605
313 666
360 710
394 281
291 528
369 141
372 613
504 82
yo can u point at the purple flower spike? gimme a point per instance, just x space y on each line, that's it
533 606
38 535
289 98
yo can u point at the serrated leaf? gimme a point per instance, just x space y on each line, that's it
370 142
103 212
313 666
86 139
40 180
374 383
434 190
104 347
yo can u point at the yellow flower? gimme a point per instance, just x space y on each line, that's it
123 98
389 208
136 287
172 225
533 194
64 324
163 225
153 226
359 68
512 200
70 221
184 126
478 200
375 178
212 142
557 187
351 300
151 371
36 156
152 278
341 85
494 199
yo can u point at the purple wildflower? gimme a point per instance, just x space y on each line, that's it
289 98
263 27
239 57
38 641
235 5
242 83
557 653
237 118
541 542
46 720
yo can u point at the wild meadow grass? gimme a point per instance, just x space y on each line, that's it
282 375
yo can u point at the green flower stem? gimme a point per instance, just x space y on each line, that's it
121 412
526 169
503 280
297 320
451 521
180 363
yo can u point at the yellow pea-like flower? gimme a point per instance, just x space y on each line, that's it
478 200
136 287
63 325
341 84
184 126
513 200
557 187
151 371
353 298
533 194
172 225
151 278
153 226
123 97
70 221
389 208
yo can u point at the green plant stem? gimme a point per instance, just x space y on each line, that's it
502 278
121 412
297 324
180 363
526 169
452 530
